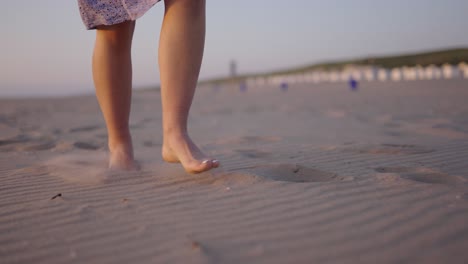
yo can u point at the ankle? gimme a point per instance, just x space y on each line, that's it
175 133
120 144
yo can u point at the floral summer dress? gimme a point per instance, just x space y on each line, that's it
110 12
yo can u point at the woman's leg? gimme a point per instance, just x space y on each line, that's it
112 73
181 46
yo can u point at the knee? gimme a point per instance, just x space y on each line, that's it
193 5
116 36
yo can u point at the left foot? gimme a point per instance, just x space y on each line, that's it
181 149
121 158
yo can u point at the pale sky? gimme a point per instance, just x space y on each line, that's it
46 50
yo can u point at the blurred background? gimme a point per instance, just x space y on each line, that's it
46 50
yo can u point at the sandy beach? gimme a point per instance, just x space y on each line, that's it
315 174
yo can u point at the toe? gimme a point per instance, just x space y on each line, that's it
215 163
206 165
200 167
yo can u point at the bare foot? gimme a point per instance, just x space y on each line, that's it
121 158
181 149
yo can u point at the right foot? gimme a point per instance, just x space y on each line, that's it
181 149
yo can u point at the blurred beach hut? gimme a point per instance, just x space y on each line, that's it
251 82
260 81
300 78
464 73
289 78
316 77
437 73
450 71
357 74
308 77
352 71
281 79
345 74
273 80
324 76
432 72
292 78
334 76
420 73
370 73
383 74
463 68
396 74
409 73
311 77
295 78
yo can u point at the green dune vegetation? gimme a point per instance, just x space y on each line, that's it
438 58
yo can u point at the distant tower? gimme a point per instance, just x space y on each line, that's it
233 68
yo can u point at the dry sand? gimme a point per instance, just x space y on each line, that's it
317 174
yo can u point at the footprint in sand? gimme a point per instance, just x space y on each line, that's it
422 175
253 153
394 133
336 113
26 143
464 196
147 120
14 140
101 136
175 175
7 120
150 144
84 129
293 173
390 149
39 145
250 140
141 123
84 168
391 125
86 145
246 176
